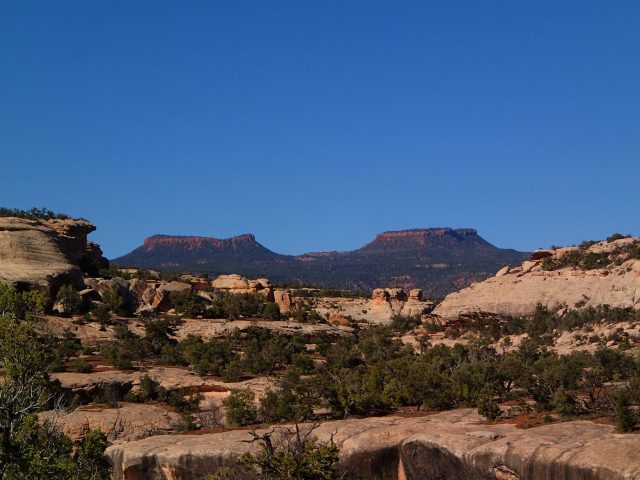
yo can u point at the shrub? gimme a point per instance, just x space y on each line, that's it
81 366
70 299
564 403
488 407
295 455
240 407
625 417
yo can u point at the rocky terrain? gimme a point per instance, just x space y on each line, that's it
438 261
454 445
613 279
177 370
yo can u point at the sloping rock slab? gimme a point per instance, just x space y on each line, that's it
450 445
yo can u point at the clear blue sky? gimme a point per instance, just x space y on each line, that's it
317 124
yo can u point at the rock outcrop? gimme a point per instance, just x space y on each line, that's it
127 422
517 291
455 445
42 254
383 305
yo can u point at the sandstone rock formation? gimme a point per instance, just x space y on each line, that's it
235 283
454 445
383 305
42 254
518 291
130 421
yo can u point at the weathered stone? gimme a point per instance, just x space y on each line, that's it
231 282
283 299
519 293
430 447
35 255
503 271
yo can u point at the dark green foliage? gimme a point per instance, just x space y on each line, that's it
189 304
70 299
296 455
33 214
240 407
405 324
81 366
584 259
617 236
564 403
91 463
27 305
119 356
160 332
207 358
625 417
488 407
151 390
31 448
271 311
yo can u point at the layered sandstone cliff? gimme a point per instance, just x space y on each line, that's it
44 254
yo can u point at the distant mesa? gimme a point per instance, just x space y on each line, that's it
437 260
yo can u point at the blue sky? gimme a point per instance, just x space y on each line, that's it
317 124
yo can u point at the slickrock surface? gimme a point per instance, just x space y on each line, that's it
132 421
451 445
517 291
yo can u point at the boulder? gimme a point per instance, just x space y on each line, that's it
137 288
162 298
231 282
415 294
283 299
380 295
503 271
528 265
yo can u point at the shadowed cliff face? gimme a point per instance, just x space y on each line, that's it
437 260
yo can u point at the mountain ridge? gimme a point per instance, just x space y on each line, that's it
438 260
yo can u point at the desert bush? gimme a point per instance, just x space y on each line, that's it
240 407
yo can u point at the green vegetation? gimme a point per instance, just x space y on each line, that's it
583 259
69 299
374 373
227 305
240 407
543 323
32 447
33 214
28 305
294 455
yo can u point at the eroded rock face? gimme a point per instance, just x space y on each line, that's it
383 305
517 291
235 283
451 445
132 421
33 254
